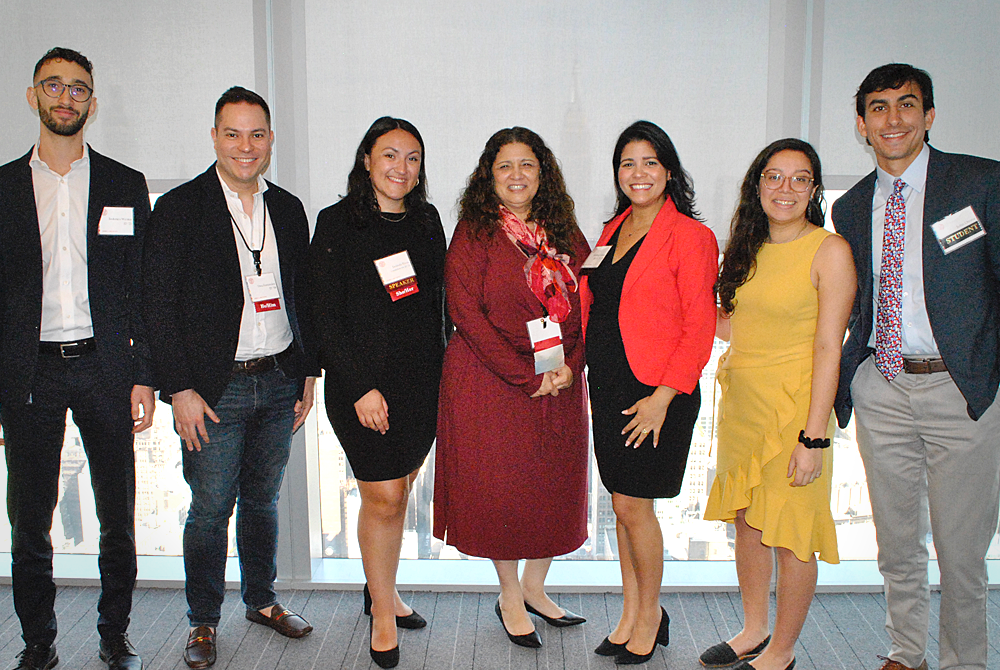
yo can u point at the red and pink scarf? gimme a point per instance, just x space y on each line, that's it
548 273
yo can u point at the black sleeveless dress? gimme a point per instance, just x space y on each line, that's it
644 472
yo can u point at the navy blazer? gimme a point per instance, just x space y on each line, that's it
193 288
113 276
960 288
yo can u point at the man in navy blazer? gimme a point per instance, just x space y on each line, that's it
921 365
224 276
71 228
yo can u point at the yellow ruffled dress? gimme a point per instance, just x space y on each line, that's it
765 378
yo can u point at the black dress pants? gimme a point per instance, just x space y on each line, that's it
33 436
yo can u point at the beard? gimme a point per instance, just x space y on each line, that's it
64 128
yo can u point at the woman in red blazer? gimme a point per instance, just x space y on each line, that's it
649 319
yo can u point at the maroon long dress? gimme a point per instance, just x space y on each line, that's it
510 477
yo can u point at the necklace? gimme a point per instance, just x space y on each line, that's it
805 226
394 217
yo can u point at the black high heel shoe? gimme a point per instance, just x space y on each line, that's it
626 657
411 620
383 659
567 619
609 648
530 640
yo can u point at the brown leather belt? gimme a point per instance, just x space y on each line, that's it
924 366
68 349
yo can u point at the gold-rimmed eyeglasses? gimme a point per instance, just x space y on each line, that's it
54 89
775 180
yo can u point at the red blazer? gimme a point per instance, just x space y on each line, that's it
667 312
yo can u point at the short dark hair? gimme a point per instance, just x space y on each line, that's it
895 75
238 94
62 53
680 188
360 193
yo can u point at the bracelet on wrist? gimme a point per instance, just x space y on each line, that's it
818 443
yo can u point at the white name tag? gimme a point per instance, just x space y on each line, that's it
264 292
397 275
546 340
956 230
116 221
595 258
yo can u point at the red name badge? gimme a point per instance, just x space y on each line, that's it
264 292
402 288
397 275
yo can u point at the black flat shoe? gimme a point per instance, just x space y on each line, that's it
383 659
722 655
530 640
609 648
567 619
745 665
411 620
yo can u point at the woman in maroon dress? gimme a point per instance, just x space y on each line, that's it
511 468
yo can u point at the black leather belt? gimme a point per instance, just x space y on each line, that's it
255 366
923 366
68 349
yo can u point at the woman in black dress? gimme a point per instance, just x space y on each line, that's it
649 314
377 262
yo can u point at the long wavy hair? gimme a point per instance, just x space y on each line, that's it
750 228
680 188
360 192
551 208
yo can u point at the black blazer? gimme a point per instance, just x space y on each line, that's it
113 276
960 289
193 288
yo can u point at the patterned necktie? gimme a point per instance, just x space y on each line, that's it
888 322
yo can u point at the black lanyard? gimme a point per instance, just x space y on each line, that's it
253 252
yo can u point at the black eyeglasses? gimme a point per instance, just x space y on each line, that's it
54 89
774 180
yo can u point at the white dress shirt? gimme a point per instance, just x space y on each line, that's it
261 333
917 336
61 204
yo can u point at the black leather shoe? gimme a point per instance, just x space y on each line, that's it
383 659
721 655
37 657
530 640
609 648
119 653
411 620
567 619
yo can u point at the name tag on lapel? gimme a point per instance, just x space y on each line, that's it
116 221
956 230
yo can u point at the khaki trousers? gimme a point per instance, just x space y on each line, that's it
924 457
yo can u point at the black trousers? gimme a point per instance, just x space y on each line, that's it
33 436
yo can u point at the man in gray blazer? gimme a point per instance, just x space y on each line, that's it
920 365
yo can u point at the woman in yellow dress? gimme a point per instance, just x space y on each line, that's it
785 294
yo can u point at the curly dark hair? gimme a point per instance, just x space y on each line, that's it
750 229
360 192
680 188
551 208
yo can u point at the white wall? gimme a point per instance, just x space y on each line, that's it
159 67
956 42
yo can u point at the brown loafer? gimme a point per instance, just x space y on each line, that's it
282 620
200 649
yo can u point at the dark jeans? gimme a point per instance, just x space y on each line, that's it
33 434
242 464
